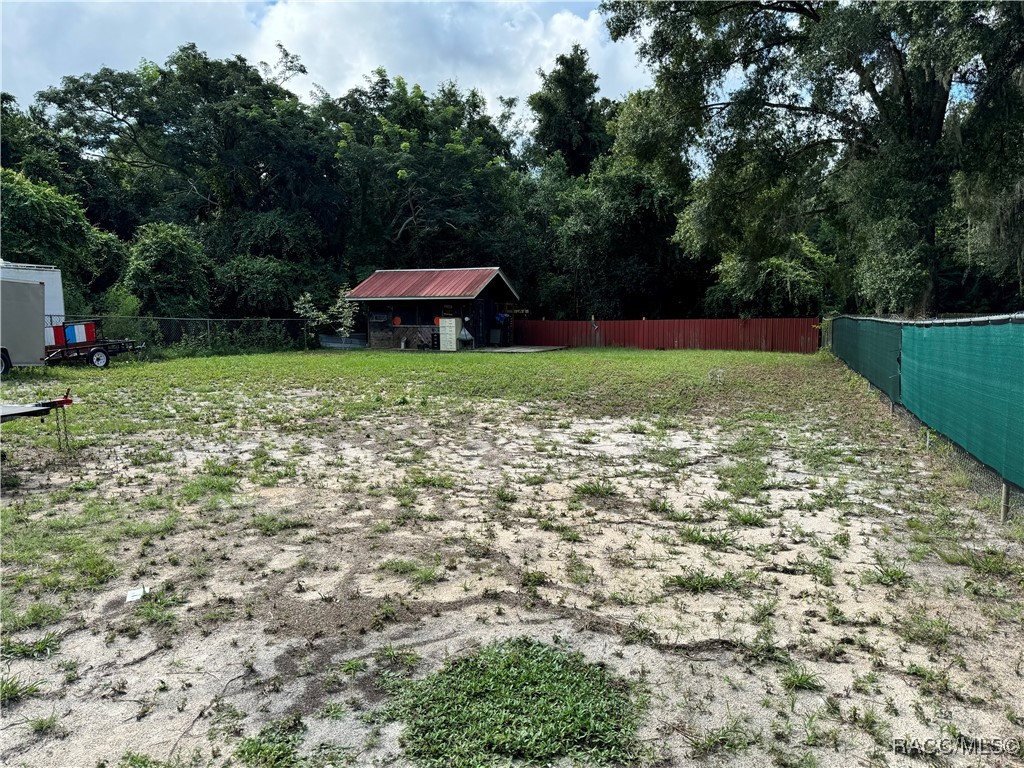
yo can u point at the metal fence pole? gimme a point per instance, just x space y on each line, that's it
1004 508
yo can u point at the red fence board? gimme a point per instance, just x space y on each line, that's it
759 334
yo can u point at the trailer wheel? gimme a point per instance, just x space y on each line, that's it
98 357
5 363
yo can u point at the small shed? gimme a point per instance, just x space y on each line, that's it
406 308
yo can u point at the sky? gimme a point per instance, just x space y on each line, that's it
496 47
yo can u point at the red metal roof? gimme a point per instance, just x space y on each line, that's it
427 283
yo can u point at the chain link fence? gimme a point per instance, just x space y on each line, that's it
185 336
969 473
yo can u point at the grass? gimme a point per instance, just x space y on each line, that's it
991 562
43 647
269 524
49 726
597 382
697 581
578 571
763 610
534 579
275 746
420 575
13 688
821 570
38 614
887 573
505 495
729 738
664 509
750 518
746 478
542 704
332 710
431 481
719 540
799 678
171 516
565 531
208 485
917 627
596 489
157 609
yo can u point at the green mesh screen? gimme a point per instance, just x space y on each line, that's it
967 382
872 349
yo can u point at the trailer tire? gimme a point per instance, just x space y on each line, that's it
5 363
98 357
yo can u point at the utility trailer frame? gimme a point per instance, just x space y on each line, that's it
96 352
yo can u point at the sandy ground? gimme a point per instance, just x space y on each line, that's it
272 587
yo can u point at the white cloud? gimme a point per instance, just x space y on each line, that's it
43 42
494 47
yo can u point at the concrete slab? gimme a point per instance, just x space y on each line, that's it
517 350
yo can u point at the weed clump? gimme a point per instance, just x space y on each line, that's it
698 581
276 746
13 689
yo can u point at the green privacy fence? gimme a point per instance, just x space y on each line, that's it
963 378
871 348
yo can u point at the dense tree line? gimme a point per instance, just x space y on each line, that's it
791 158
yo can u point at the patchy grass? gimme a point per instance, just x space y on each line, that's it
269 524
747 478
419 574
730 738
542 704
697 581
40 648
13 688
275 746
799 678
615 498
596 489
887 573
693 534
917 627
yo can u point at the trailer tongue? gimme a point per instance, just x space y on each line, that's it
9 412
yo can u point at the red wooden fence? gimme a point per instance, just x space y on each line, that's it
762 334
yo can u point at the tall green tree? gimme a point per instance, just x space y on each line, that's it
426 176
570 119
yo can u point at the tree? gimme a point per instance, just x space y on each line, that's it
339 317
167 272
569 118
426 176
226 147
853 100
42 226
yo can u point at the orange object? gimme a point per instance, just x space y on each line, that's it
437 321
396 320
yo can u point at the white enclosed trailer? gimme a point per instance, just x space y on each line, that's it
22 335
53 295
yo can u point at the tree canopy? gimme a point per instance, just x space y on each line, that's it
854 124
790 158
